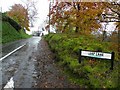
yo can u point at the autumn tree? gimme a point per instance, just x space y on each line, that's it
82 17
20 15
115 9
112 14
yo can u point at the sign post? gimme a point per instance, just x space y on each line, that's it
98 55
112 60
80 55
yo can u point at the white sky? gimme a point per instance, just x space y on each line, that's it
42 6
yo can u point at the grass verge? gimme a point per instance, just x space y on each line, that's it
9 33
90 73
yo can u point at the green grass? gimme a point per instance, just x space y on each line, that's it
90 73
24 35
10 34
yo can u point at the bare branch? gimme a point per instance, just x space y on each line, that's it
32 10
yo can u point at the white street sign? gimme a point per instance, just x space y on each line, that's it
96 54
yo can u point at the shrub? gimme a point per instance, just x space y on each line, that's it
90 73
11 21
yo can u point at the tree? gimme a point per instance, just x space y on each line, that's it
30 6
20 15
112 13
112 10
82 17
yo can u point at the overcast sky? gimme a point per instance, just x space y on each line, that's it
42 6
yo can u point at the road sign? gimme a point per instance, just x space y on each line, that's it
98 55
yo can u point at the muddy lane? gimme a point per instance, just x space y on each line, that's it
20 66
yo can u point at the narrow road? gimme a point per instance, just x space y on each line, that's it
7 48
19 66
32 66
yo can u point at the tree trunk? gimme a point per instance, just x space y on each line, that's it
76 30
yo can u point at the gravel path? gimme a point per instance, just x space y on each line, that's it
49 75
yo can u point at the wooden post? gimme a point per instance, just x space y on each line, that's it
112 60
80 55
